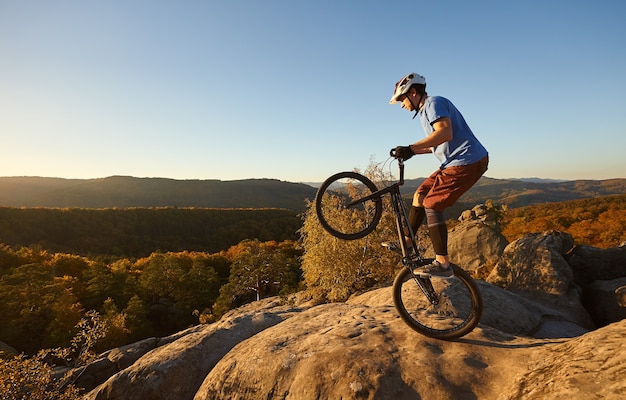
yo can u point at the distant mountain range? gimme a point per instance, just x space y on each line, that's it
127 192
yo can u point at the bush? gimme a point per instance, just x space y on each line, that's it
34 378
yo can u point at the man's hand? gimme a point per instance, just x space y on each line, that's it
403 152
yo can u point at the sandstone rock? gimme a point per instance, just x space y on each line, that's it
111 362
588 367
176 370
534 267
476 246
481 213
591 263
361 349
357 349
535 263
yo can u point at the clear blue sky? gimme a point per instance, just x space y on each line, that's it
299 90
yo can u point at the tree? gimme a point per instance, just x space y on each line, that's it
259 269
334 268
39 310
137 319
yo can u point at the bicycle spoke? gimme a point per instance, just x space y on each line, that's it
343 221
455 314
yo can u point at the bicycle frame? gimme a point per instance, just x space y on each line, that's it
402 225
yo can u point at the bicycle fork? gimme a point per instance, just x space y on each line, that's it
423 282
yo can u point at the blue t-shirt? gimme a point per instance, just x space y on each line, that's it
463 148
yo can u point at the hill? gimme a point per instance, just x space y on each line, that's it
126 191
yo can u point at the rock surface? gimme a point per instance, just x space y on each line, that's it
361 349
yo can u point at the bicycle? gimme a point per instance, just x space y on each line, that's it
349 206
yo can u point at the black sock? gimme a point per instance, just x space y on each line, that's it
439 237
416 217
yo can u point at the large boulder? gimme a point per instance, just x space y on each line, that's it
176 370
534 267
592 263
6 350
476 243
356 349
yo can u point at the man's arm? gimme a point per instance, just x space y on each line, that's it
441 134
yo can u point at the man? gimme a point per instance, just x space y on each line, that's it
463 161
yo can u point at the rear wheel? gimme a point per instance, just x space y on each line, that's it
453 311
340 210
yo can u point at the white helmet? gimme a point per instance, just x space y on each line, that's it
404 84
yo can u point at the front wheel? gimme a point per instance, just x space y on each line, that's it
453 309
341 208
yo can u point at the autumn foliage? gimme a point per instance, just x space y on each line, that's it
599 222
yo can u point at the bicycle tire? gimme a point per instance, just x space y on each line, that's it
458 312
338 220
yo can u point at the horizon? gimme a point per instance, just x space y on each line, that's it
316 182
300 91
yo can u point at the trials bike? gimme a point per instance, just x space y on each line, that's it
441 308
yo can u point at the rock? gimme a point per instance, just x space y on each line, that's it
177 369
361 349
535 263
588 367
476 246
602 303
533 267
111 362
356 349
591 263
482 213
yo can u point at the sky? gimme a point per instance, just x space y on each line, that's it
299 90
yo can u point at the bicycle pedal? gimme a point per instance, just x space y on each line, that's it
393 246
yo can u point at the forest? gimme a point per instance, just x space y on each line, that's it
137 232
599 222
43 294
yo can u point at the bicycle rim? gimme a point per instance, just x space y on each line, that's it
457 312
331 203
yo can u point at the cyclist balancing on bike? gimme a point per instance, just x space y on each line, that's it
463 161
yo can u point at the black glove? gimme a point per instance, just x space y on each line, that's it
403 152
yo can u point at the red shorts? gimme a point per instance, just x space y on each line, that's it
444 187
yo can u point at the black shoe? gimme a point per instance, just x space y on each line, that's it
435 270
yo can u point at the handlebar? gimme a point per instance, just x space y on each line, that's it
392 153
